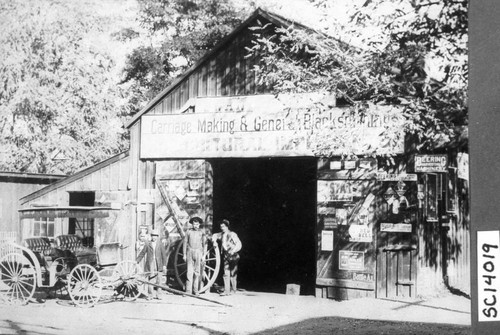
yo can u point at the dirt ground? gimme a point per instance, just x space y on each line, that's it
244 313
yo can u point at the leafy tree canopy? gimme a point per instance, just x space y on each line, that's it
58 97
406 53
176 34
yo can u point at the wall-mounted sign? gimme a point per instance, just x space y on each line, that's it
337 190
258 126
335 165
360 233
326 240
351 260
396 177
362 276
396 227
349 164
431 163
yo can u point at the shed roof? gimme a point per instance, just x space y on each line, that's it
29 178
73 177
78 212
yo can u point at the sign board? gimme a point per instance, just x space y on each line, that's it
360 233
488 275
396 177
396 227
259 126
351 260
337 190
327 240
431 163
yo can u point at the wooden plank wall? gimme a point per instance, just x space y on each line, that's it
10 193
112 177
226 73
458 267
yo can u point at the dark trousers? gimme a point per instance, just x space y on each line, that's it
230 272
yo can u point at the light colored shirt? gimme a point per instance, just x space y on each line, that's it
230 241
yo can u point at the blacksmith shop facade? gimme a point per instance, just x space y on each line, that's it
217 145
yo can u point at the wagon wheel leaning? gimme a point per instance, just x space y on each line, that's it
17 279
210 266
84 285
127 273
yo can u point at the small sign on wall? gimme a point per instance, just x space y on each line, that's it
360 233
326 240
396 227
431 163
351 260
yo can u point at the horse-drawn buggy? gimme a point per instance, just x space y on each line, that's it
73 263
66 264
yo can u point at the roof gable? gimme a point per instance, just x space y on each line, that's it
258 15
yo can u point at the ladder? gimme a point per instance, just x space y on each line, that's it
170 209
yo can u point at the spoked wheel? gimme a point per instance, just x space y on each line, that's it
127 273
17 279
84 285
210 266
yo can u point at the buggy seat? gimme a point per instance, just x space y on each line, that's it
38 244
41 248
73 243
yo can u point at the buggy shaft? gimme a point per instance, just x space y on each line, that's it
168 289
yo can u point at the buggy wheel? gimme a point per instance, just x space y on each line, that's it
127 273
84 285
17 279
209 269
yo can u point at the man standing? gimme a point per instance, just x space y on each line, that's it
231 245
193 248
156 262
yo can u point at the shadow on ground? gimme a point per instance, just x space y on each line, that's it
335 325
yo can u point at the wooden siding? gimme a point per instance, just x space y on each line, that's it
226 73
458 245
10 193
112 177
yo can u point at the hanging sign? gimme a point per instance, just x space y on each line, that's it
431 163
351 260
262 125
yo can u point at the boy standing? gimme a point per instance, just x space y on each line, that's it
231 245
193 248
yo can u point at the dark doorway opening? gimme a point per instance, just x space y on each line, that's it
271 204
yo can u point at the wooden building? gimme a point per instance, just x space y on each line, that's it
218 145
14 185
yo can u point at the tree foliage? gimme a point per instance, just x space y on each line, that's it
58 97
177 34
410 54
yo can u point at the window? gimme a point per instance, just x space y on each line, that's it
83 228
43 227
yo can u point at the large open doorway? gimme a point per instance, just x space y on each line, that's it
271 203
